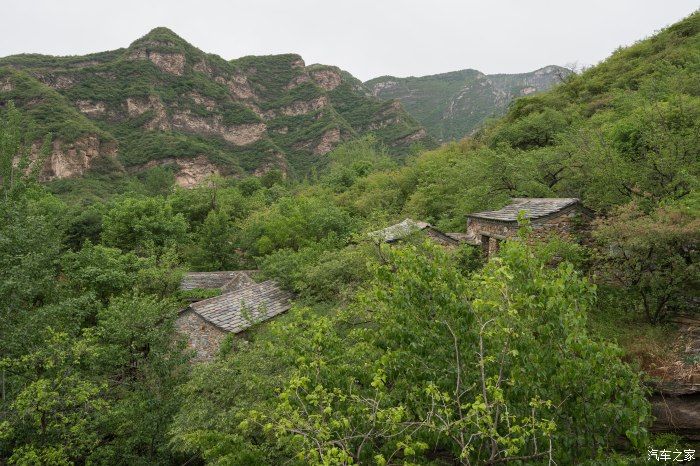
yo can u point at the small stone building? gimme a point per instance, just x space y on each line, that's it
566 217
408 227
242 304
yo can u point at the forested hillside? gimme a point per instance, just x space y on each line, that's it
452 105
404 354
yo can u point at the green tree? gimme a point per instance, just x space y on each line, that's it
215 247
429 363
142 224
652 259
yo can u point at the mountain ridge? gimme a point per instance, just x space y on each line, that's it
163 102
453 104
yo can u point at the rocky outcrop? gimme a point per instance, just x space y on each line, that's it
68 160
239 135
298 80
382 86
199 99
329 139
418 135
91 108
203 67
302 108
173 63
238 86
56 81
327 79
6 85
138 106
193 172
277 162
189 171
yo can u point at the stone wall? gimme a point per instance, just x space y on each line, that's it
202 336
440 238
570 224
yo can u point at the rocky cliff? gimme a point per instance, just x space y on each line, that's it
161 100
452 105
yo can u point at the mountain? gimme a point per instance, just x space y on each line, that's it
163 102
452 105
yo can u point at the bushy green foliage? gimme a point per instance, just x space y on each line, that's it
322 271
294 223
140 224
410 354
653 258
428 360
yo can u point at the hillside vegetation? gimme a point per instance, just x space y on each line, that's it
411 354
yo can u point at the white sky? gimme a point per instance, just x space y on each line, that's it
368 38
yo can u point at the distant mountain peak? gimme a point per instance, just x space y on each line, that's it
454 104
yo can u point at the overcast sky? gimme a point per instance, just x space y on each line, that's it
369 38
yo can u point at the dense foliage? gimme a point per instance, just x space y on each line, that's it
412 354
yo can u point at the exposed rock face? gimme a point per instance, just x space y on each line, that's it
71 160
6 86
278 162
418 135
301 108
238 86
91 109
381 86
327 79
205 102
190 172
56 81
194 171
329 139
138 106
203 67
239 135
173 63
297 80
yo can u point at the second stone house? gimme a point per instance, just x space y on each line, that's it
566 217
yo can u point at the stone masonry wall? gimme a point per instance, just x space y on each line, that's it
568 225
202 336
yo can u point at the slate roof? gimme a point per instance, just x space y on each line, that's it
534 208
240 309
398 231
225 280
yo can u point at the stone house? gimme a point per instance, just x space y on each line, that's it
242 304
409 227
566 217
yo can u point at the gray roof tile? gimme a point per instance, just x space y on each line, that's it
226 280
534 208
398 231
240 309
